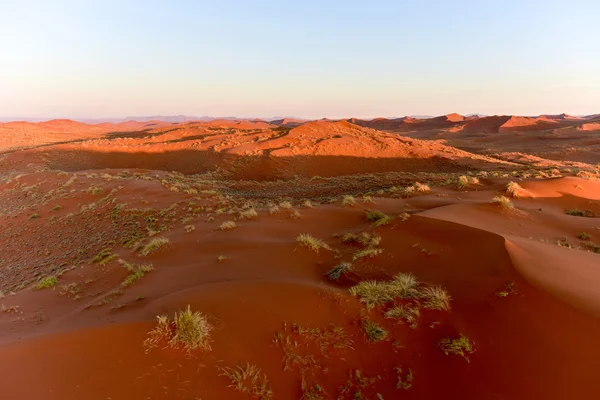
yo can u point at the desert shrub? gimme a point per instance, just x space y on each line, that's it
227 225
154 245
311 242
584 236
461 346
339 270
103 256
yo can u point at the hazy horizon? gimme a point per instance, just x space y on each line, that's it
78 60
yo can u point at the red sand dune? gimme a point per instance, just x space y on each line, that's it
592 126
527 124
522 280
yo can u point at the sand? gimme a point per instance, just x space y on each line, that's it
523 281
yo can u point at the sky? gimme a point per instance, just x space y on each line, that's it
312 59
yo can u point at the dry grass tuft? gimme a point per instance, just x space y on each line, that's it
312 242
515 191
348 201
503 202
154 245
47 282
461 346
368 252
339 270
249 380
248 214
377 217
373 331
228 225
436 298
188 329
408 313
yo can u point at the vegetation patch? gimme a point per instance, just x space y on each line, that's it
311 242
188 329
461 346
248 379
580 213
404 379
378 218
154 245
373 331
47 282
503 202
341 269
228 225
137 272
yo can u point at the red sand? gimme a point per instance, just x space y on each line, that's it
538 342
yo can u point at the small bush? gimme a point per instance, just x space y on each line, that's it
228 225
461 346
285 205
339 270
154 245
47 282
104 256
375 332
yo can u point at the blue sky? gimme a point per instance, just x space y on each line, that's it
75 59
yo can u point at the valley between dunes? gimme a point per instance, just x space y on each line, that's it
214 212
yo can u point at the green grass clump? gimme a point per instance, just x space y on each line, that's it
34 216
580 213
378 218
461 346
47 282
104 256
137 272
373 331
312 242
154 245
339 270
